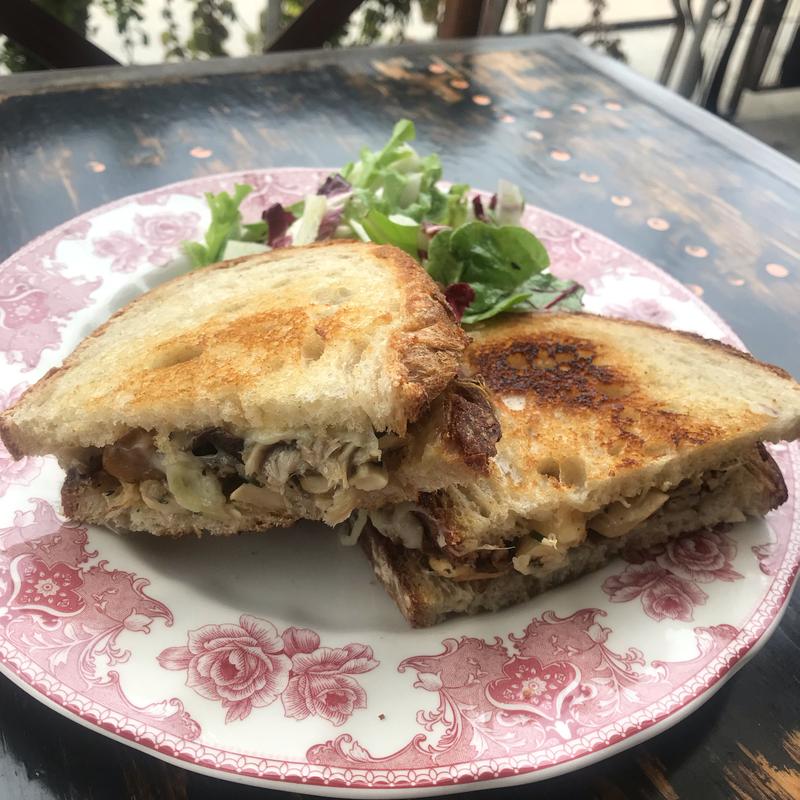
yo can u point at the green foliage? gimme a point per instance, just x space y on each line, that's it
211 21
128 17
74 13
431 10
601 37
378 14
173 49
209 28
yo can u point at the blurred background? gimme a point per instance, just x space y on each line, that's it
737 58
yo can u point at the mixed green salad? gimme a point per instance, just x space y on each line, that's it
485 261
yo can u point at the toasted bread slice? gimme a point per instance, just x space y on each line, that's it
341 335
426 598
594 410
258 391
608 426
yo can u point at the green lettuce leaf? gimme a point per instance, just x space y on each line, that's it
442 264
393 198
226 223
255 232
505 266
502 257
456 208
395 180
379 228
490 302
547 291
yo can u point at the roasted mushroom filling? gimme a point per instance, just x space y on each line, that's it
219 474
684 507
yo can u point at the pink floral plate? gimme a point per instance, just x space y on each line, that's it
277 660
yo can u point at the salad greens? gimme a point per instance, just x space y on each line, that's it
226 226
486 262
395 180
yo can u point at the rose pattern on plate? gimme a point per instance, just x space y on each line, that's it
36 300
24 471
322 682
155 239
250 665
165 232
125 251
563 683
666 577
67 614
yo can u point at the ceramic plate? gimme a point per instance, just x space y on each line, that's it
277 660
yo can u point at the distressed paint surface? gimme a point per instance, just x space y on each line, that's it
582 142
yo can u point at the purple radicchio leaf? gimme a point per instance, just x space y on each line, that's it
334 184
459 296
477 208
329 224
278 219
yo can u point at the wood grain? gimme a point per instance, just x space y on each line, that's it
585 138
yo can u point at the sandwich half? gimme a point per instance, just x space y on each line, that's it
258 391
615 434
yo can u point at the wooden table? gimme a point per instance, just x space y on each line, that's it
584 137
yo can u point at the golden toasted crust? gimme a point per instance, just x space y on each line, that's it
339 334
638 388
595 381
428 351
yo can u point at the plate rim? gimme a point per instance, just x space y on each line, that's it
462 782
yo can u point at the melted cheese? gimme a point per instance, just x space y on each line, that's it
624 515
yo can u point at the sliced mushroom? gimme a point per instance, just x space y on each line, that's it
400 523
344 462
350 530
336 506
132 458
255 459
370 477
314 483
283 461
258 496
536 555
